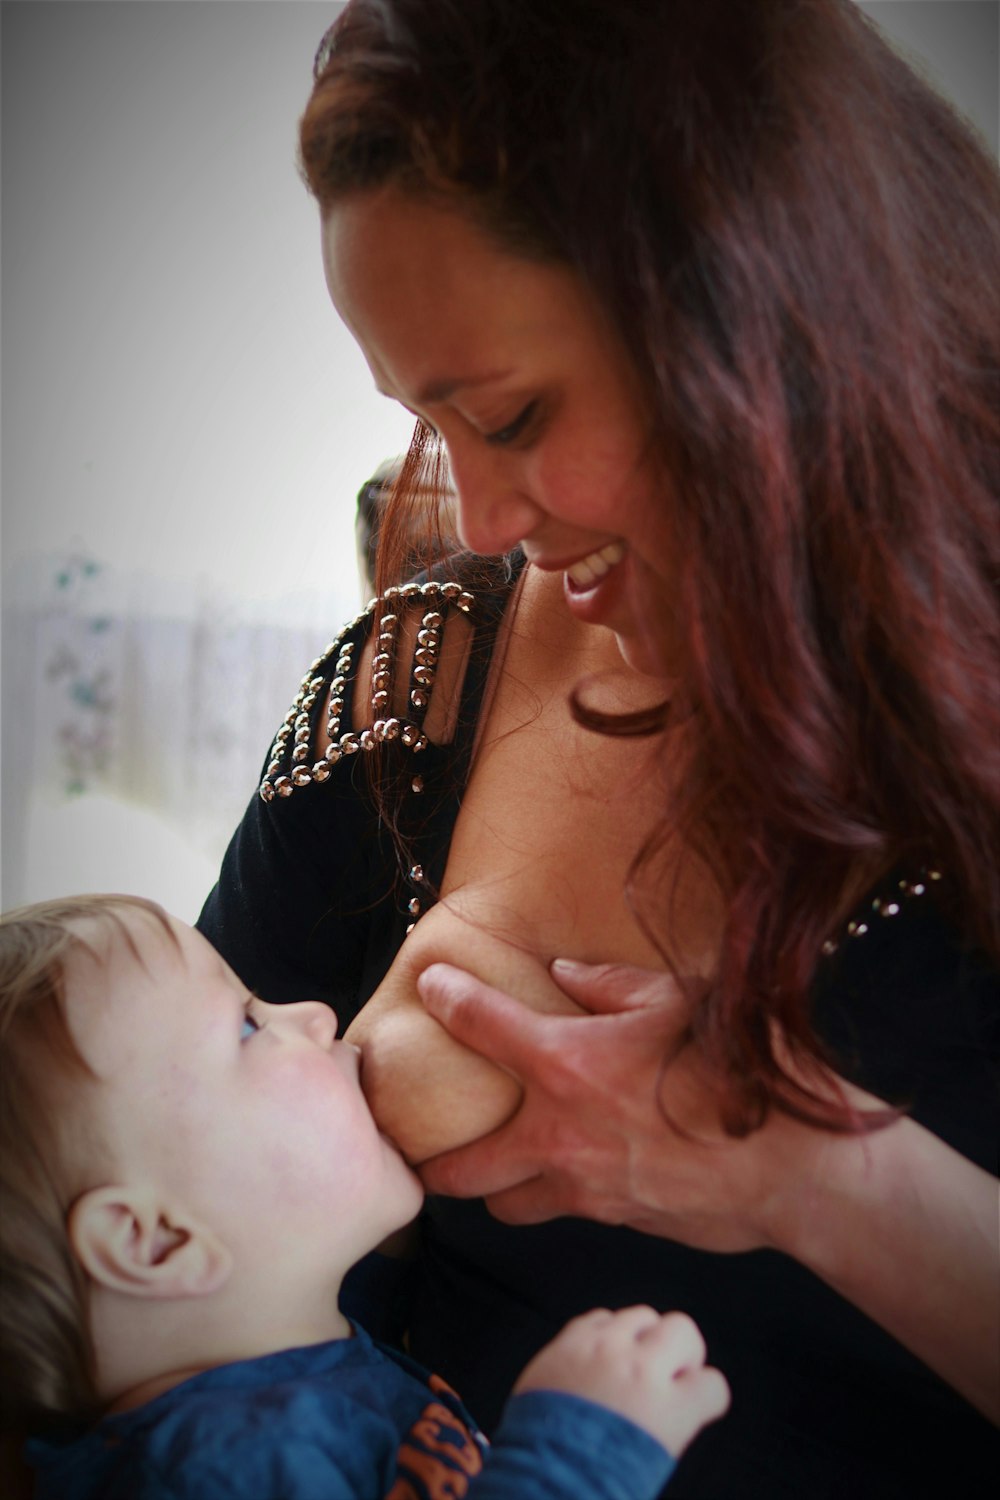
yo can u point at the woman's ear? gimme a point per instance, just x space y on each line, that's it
128 1240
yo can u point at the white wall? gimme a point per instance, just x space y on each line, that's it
179 394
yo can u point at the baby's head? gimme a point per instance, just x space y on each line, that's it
186 1171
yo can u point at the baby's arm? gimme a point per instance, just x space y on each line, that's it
427 1092
635 1364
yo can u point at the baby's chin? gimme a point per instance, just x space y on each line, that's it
411 1189
398 1225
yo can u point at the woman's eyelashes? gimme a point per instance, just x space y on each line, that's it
513 430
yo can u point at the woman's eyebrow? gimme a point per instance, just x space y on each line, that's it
443 389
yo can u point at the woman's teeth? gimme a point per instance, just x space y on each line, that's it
586 572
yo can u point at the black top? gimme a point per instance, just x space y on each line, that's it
312 902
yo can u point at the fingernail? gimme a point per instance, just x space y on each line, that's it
567 966
429 984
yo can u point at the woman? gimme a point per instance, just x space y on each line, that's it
700 301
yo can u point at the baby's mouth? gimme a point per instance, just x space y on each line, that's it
596 565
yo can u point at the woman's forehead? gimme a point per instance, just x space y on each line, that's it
433 301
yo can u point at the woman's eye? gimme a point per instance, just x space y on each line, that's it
513 430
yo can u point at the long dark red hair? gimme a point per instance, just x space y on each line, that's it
797 241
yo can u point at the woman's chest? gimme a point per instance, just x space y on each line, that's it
550 824
553 821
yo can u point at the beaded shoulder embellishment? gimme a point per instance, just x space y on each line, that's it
288 762
884 906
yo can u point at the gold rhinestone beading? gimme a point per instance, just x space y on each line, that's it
292 761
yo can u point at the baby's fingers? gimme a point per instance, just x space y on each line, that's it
691 1400
707 1391
678 1339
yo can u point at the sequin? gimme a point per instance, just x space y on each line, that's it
884 907
288 765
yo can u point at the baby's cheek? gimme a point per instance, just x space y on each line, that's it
175 1119
321 1137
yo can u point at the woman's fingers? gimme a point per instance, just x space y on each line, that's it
532 1202
482 1018
514 1173
529 1044
609 988
486 1167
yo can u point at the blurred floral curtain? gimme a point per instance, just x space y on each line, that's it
163 694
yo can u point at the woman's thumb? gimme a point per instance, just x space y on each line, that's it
608 988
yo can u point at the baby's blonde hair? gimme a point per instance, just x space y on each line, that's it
47 1366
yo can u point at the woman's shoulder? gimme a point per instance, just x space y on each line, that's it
309 882
409 668
911 1009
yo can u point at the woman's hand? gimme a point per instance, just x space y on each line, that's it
593 1136
895 1220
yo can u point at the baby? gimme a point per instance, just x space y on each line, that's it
187 1175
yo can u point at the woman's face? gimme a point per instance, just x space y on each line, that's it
512 363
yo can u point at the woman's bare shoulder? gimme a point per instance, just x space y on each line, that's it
398 671
412 666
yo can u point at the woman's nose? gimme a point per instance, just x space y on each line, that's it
492 514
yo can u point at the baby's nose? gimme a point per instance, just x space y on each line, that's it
324 1026
318 1021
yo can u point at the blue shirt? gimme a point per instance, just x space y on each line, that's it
348 1420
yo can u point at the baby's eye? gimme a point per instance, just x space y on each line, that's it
249 1026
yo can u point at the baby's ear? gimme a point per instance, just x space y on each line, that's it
128 1240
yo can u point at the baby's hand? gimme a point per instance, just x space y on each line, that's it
647 1366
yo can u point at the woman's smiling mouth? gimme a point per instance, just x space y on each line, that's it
592 568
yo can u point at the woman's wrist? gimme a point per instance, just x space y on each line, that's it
809 1181
825 1178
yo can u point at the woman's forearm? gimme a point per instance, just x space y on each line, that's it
909 1231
